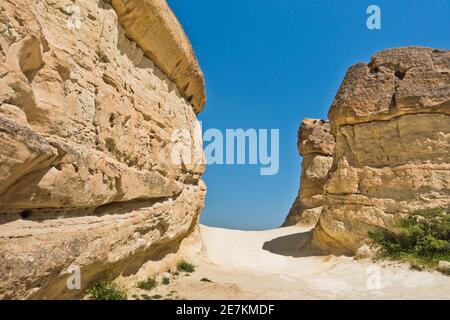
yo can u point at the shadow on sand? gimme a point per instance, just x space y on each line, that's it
293 245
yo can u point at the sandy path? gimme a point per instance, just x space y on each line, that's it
275 264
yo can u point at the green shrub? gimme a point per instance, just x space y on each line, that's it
205 280
106 290
165 281
148 284
423 239
184 266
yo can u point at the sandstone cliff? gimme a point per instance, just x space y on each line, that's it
391 122
316 146
100 148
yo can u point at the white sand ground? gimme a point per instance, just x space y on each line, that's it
276 264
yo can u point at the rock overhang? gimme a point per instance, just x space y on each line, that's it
155 28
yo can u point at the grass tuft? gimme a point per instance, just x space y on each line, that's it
184 266
148 284
165 281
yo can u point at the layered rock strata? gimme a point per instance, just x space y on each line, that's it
316 146
101 152
391 122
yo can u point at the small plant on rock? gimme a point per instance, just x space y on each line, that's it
106 290
148 284
165 281
184 266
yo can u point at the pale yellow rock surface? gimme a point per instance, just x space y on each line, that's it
101 152
153 26
391 121
316 146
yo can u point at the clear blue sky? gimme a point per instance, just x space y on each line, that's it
271 63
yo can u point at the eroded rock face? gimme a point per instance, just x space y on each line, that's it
391 121
316 145
101 152
155 29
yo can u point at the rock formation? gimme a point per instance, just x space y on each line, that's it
391 122
101 152
316 146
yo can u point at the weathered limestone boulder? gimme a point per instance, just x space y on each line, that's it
391 121
155 29
100 149
316 146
